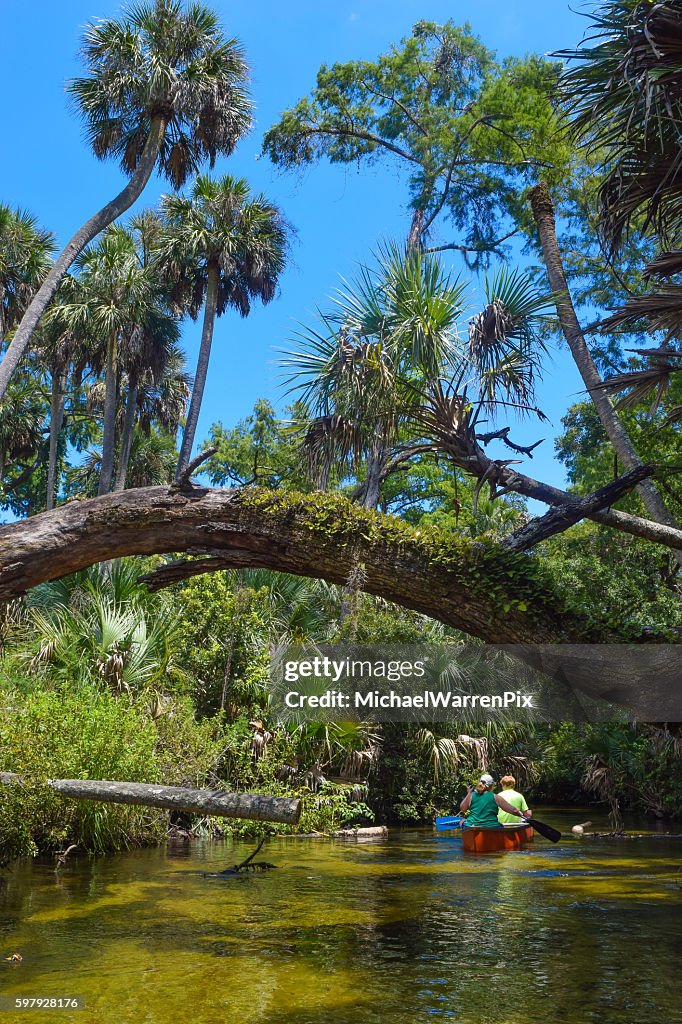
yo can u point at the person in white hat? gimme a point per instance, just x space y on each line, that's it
483 805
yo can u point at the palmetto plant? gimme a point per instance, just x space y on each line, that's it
164 88
98 627
344 749
443 752
392 372
221 248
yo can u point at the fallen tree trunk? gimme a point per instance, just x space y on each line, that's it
252 806
502 597
473 586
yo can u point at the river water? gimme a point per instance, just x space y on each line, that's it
403 930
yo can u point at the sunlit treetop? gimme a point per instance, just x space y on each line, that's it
470 131
163 59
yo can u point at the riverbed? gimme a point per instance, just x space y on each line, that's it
401 930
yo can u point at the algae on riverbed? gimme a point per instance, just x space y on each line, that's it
399 930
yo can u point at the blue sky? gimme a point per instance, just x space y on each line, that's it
340 214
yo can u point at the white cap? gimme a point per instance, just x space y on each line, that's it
487 780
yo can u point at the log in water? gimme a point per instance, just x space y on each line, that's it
253 806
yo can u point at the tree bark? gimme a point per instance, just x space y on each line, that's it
257 528
110 408
418 224
543 213
210 309
222 804
56 422
414 237
126 436
483 590
561 517
107 215
372 485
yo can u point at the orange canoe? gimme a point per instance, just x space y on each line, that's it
492 840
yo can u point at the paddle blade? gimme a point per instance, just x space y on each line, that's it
545 830
444 823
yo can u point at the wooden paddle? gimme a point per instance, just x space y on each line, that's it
545 830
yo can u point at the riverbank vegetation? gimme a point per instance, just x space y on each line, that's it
402 406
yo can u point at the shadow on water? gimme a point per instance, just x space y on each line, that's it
402 930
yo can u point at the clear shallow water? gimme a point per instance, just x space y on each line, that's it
402 931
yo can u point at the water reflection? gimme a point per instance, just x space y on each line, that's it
401 930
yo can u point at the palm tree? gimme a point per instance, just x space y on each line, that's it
144 355
22 444
157 396
624 93
57 345
373 381
118 303
223 248
25 258
164 88
391 331
623 90
154 367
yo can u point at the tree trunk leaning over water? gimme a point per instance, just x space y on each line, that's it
93 227
543 213
257 528
499 596
189 433
217 802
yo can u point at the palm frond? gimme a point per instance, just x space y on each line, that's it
624 91
163 58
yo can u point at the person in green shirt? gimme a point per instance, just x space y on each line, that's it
517 800
483 805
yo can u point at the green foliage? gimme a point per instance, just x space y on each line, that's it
588 564
470 132
25 251
589 560
73 734
589 457
335 806
259 450
219 632
163 58
628 767
23 451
